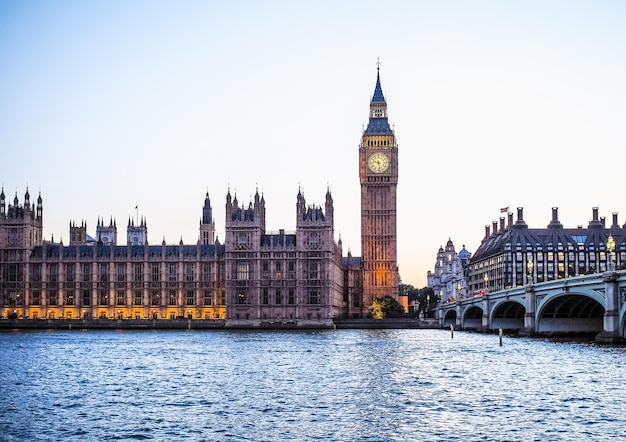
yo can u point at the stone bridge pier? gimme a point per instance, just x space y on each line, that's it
529 316
611 322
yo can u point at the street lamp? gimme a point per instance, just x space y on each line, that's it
610 247
529 266
486 279
459 289
427 304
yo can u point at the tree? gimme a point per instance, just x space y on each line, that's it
426 293
425 297
386 307
405 289
414 294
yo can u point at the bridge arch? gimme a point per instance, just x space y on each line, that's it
507 315
568 312
449 318
472 318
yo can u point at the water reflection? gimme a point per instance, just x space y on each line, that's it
344 385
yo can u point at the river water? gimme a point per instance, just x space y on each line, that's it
335 385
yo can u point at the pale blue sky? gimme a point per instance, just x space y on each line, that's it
106 105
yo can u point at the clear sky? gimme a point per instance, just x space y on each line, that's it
112 104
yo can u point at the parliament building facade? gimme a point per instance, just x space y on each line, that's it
253 277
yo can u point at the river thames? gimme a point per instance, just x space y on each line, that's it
335 385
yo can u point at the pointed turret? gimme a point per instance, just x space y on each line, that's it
257 198
207 223
378 96
378 123
229 205
207 213
328 209
300 204
3 207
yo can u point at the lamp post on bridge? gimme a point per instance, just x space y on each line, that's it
486 280
611 321
610 247
529 316
459 289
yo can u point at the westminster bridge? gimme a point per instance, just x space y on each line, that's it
580 305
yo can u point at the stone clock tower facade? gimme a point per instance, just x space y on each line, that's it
378 173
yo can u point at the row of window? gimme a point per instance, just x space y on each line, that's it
102 298
135 315
137 273
580 245
242 270
279 298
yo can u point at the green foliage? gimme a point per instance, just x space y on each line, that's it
386 307
421 295
415 294
405 289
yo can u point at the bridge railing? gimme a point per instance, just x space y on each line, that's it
570 283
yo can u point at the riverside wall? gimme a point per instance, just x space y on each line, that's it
200 324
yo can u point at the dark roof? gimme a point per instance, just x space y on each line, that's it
280 239
378 91
378 126
351 260
521 239
314 214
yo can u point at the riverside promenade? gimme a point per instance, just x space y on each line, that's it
199 324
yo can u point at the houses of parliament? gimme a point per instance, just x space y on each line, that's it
253 277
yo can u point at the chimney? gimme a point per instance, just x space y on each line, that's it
555 218
603 221
494 226
520 217
501 223
615 224
510 220
595 222
486 231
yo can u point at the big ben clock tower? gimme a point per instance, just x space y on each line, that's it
378 173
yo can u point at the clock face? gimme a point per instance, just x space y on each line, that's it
378 162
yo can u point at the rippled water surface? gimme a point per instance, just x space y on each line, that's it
343 385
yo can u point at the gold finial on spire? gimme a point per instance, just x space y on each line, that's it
378 63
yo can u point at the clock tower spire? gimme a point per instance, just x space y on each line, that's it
378 173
